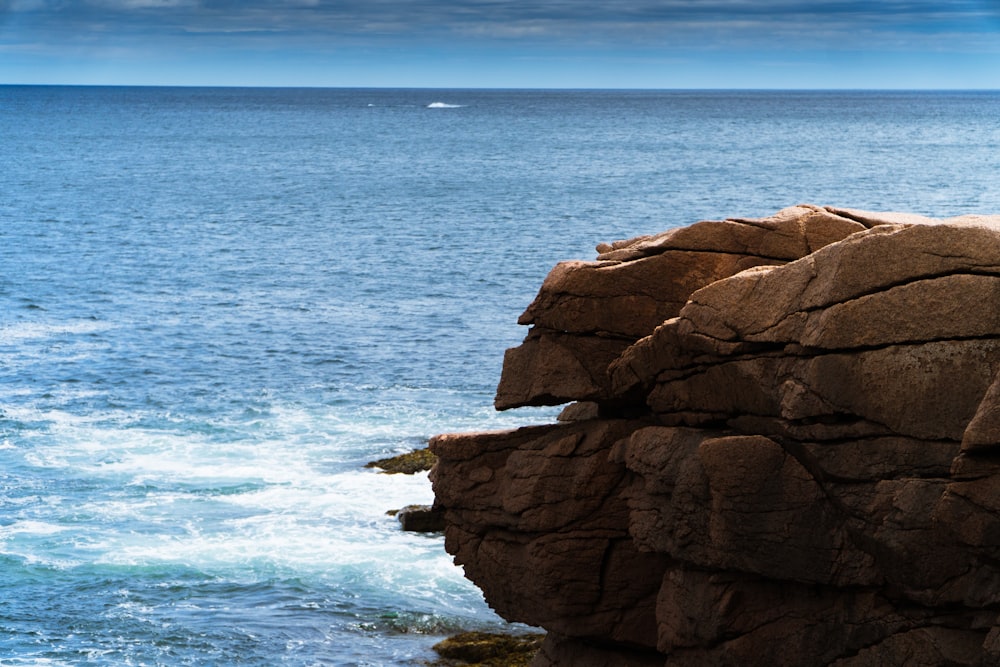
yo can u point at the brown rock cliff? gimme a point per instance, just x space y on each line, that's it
795 458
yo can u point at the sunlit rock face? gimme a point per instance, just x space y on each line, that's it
789 453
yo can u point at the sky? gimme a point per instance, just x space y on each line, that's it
659 44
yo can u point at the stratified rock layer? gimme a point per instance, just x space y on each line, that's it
789 453
587 313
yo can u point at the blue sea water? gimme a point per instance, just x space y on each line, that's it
216 305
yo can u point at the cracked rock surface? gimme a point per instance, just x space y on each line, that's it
788 454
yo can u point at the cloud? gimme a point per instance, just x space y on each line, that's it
370 42
142 4
22 5
581 14
509 24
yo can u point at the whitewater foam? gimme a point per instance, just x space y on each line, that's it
30 528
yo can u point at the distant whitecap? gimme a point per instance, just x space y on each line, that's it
442 105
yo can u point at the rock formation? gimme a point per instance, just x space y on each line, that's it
787 450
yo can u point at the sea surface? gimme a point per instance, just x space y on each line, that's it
216 305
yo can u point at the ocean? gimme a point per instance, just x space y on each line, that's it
218 304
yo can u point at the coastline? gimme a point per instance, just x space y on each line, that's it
472 648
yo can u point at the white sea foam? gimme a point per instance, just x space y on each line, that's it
183 498
443 105
30 527
326 522
245 497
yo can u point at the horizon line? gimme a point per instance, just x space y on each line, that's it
501 88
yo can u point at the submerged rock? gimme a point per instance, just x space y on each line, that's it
791 439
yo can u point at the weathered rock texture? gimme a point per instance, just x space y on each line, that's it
789 453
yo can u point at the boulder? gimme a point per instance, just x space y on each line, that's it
421 519
786 449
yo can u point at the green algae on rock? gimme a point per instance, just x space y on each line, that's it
406 464
487 649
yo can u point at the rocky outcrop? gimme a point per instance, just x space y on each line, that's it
787 450
588 313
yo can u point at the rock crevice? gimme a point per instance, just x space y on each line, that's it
788 454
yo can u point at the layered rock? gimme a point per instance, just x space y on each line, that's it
790 453
587 313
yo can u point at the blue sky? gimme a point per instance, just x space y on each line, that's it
504 43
